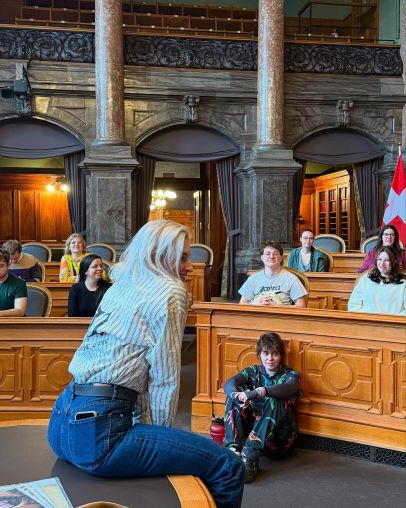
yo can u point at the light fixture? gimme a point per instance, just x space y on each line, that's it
58 184
159 198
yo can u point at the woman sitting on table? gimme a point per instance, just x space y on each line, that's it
306 258
388 237
273 285
85 295
75 251
383 289
114 418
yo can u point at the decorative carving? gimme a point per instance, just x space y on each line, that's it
52 45
337 59
191 105
24 105
343 107
64 46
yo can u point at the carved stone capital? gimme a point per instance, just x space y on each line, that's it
190 108
343 107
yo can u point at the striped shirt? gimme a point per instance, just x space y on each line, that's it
135 340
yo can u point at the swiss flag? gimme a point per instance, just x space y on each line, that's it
395 212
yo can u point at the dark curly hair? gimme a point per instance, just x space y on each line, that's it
272 342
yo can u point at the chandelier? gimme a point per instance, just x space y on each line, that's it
159 198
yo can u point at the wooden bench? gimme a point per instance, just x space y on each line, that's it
353 367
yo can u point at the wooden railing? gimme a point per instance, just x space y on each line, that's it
353 367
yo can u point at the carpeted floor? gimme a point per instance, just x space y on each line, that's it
307 478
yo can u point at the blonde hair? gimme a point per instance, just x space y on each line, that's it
156 249
69 240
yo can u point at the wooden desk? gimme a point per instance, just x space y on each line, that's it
329 290
353 367
34 357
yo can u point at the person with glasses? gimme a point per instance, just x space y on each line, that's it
306 258
382 290
273 285
388 237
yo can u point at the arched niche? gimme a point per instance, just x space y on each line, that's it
339 145
29 138
188 143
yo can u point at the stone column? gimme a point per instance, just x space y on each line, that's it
270 99
267 179
109 164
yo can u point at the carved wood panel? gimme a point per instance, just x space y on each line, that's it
339 375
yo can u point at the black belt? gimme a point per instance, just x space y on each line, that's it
114 391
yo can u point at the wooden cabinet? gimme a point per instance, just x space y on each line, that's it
31 213
328 206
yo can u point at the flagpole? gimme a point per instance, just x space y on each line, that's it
399 149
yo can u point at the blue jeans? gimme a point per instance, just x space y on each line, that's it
108 444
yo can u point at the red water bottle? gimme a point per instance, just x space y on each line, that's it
217 430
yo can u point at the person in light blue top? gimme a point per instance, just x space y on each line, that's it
115 417
306 258
272 286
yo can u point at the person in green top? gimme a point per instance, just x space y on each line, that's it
13 290
306 258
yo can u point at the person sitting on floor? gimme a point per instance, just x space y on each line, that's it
75 251
273 285
306 258
381 290
85 295
259 414
388 237
22 264
114 418
13 290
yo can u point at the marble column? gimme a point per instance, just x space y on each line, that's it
267 179
109 165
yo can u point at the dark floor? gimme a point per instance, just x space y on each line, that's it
307 478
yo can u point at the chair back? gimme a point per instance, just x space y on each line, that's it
303 279
42 266
201 253
368 244
331 243
57 253
39 302
330 259
105 251
39 250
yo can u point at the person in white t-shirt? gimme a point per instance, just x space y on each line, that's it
273 285
381 290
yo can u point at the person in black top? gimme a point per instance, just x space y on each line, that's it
85 295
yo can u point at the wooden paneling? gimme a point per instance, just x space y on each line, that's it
34 357
6 214
185 217
352 367
28 212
